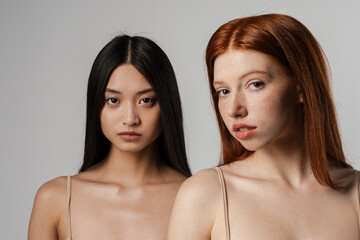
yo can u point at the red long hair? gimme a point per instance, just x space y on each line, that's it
293 45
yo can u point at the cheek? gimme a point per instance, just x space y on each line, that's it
271 105
152 118
156 123
223 109
103 122
106 120
286 102
157 119
277 107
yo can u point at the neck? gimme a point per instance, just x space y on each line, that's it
284 160
131 168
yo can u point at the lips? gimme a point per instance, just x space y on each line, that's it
243 131
129 135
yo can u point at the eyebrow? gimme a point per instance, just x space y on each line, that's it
243 76
138 93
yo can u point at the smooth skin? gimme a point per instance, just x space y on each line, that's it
272 194
127 195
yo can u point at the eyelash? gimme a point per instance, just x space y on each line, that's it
151 101
220 92
258 82
109 101
115 101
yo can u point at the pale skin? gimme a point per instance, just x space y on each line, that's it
126 196
272 194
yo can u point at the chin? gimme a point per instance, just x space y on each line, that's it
130 148
251 147
253 144
260 144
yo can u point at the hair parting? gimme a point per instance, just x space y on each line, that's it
296 49
149 59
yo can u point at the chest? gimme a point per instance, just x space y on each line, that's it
275 215
125 215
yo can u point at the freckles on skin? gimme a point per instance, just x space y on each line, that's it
279 96
275 114
270 105
277 103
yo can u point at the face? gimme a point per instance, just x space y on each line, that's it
256 98
130 118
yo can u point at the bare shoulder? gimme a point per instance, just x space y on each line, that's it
201 191
53 188
52 194
49 203
195 208
203 184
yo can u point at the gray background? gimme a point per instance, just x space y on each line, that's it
47 49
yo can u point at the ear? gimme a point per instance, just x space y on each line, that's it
300 98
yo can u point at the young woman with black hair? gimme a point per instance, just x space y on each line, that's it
134 158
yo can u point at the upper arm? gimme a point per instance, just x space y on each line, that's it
194 213
45 214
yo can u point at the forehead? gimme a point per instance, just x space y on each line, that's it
127 78
234 63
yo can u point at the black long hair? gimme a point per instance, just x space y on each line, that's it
150 60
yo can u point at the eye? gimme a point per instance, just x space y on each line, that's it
222 92
112 101
256 85
146 101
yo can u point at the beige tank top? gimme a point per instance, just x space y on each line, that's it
68 193
225 199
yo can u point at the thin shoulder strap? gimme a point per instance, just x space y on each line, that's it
68 186
358 193
225 201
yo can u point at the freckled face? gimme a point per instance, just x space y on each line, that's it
256 99
130 118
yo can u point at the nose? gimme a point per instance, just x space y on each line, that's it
130 116
237 106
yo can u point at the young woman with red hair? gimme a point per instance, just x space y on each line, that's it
283 173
